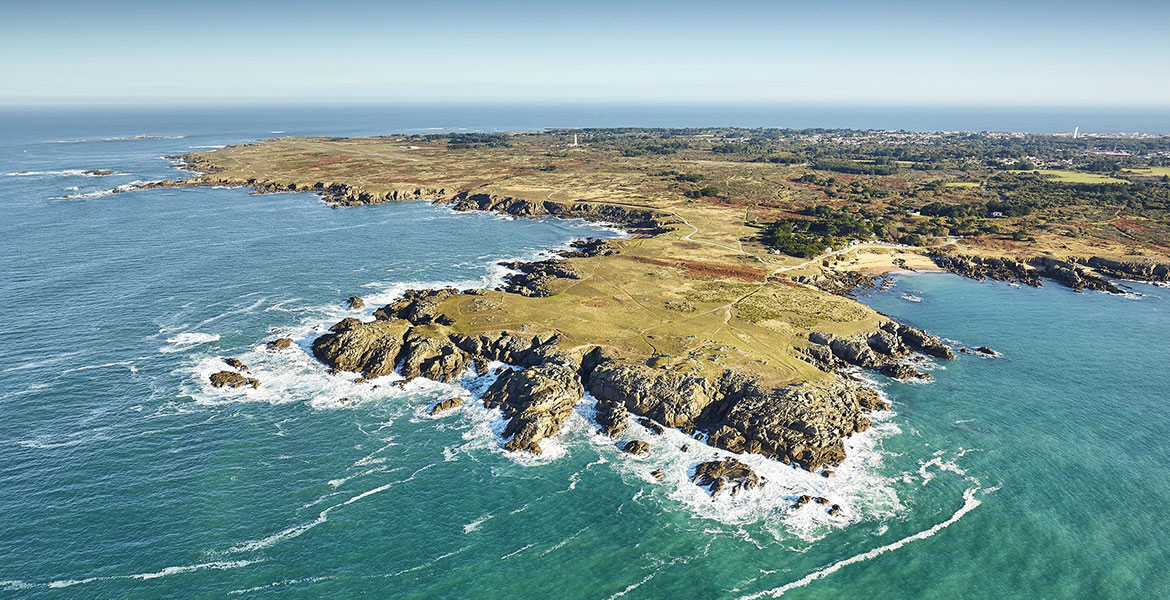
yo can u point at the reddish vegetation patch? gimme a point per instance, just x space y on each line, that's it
598 303
702 269
1129 224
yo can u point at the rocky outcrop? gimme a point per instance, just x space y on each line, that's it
232 379
445 405
804 424
536 401
279 344
355 303
918 340
1033 270
884 350
637 448
1072 275
841 283
640 220
534 278
371 349
590 247
674 400
419 307
612 417
980 268
235 363
727 474
431 354
1136 270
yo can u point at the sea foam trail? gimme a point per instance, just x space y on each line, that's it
297 530
12 585
970 502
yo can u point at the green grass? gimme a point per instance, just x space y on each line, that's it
1076 176
1150 171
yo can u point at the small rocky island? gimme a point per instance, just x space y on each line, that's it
700 321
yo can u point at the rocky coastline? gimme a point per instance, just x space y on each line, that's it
1093 273
802 424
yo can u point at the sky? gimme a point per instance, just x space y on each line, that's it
1070 53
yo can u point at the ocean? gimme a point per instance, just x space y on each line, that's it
1039 474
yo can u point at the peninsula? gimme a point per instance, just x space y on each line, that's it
727 313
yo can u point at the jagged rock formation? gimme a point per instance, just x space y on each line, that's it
884 350
533 278
355 303
1030 272
729 474
612 416
536 401
1143 270
590 247
231 379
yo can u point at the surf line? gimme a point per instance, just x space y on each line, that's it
969 504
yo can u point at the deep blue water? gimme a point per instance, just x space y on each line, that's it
1039 474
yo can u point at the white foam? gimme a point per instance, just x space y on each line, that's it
142 136
856 485
474 525
166 572
186 340
63 173
518 551
970 502
297 530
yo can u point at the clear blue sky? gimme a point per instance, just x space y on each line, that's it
894 52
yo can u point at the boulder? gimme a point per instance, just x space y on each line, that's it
280 344
727 474
232 379
444 405
636 447
235 363
355 303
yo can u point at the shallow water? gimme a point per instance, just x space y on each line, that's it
1038 474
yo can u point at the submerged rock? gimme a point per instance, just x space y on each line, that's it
725 474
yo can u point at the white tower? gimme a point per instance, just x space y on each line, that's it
574 140
1076 130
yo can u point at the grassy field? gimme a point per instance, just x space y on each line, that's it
1076 176
1151 171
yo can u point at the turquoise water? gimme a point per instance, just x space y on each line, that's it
1039 474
